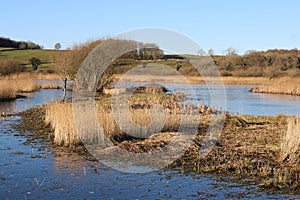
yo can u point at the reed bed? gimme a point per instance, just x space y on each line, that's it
142 122
10 87
283 85
196 79
60 116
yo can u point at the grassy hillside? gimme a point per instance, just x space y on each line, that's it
23 57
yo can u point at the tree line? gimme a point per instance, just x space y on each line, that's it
9 43
271 63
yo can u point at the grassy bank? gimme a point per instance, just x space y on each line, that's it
260 149
23 57
283 85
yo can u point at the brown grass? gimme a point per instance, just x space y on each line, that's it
36 76
60 116
283 85
197 79
10 87
24 82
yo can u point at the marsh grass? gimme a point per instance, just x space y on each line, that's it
10 87
60 116
283 85
144 121
198 79
24 82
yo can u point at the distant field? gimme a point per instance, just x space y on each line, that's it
23 56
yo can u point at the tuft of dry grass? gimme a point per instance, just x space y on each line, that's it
283 85
290 146
59 115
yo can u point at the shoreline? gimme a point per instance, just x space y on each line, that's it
227 80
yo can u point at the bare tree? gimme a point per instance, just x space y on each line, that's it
69 61
201 52
230 51
211 52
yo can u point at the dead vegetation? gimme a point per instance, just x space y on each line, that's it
10 87
284 85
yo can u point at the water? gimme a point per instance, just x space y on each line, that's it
32 99
34 170
235 98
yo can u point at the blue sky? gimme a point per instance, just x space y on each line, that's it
244 25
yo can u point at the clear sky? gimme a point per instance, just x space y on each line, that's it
244 25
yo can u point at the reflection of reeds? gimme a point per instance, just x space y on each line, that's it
50 86
290 146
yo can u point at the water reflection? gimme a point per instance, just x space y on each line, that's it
8 107
71 162
32 100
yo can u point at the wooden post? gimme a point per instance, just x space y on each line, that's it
65 89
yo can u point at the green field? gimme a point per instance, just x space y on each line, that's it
23 57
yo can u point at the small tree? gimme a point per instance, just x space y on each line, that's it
201 52
230 51
35 62
57 46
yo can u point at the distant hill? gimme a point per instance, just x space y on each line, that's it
9 43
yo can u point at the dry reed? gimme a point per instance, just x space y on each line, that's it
10 87
284 85
196 79
144 123
59 115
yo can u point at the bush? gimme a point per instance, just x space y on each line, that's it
10 66
35 62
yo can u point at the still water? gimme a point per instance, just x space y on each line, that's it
234 98
36 170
